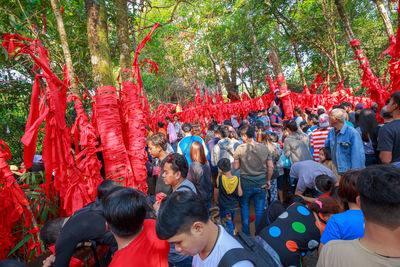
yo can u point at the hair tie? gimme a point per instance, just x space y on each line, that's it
319 203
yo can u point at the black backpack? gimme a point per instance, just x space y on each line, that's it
251 251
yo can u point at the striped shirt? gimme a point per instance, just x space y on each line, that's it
317 140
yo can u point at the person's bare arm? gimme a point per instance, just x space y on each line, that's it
240 191
308 199
236 164
270 171
386 157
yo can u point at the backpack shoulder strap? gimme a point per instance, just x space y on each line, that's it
185 186
235 255
188 146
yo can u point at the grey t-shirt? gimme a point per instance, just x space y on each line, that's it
389 139
253 159
306 171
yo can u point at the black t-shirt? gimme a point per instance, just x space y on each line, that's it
227 201
293 234
389 139
85 224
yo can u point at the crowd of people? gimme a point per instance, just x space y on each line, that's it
326 182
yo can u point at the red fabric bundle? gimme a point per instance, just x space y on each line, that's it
319 79
285 96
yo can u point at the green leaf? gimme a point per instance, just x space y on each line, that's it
22 242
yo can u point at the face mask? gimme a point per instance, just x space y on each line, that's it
317 192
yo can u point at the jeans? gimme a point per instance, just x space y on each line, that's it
370 159
273 192
174 144
258 195
227 217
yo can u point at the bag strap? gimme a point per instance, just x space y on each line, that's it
185 186
318 222
235 255
184 154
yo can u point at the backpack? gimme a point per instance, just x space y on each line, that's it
251 251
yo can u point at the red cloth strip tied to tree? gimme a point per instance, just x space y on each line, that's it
285 96
116 162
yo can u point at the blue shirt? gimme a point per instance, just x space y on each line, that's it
347 148
347 225
184 146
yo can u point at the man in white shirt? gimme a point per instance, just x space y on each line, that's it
183 221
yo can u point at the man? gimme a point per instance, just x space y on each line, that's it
157 145
389 134
318 136
178 128
85 224
306 171
138 245
348 107
183 220
171 133
185 144
345 143
276 120
256 169
379 200
210 145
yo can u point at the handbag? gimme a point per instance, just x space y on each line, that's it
285 160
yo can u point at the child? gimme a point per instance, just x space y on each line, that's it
229 191
326 159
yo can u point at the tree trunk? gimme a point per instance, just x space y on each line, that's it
64 43
233 76
225 76
124 43
276 62
98 44
296 53
385 17
346 24
213 61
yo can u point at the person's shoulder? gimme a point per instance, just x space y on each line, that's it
340 246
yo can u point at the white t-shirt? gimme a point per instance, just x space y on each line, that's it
224 243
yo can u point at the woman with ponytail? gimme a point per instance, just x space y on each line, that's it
347 225
297 231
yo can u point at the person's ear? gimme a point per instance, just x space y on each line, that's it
178 175
197 228
358 201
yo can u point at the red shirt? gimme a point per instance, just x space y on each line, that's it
146 250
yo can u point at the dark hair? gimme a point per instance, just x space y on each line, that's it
299 111
320 111
346 104
227 122
178 212
186 127
327 152
337 106
167 118
218 130
396 98
379 189
105 188
291 125
224 165
273 136
329 206
314 119
261 136
212 125
303 123
197 153
178 163
51 230
387 115
158 139
225 131
367 123
324 183
247 130
348 191
124 211
259 125
160 124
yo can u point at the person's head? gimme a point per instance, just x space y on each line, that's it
298 112
276 92
275 110
348 191
325 154
348 107
379 190
224 165
176 118
175 169
367 123
245 122
324 183
167 119
218 131
124 211
106 188
247 133
212 125
386 116
227 122
157 144
183 220
323 121
320 111
259 125
327 206
273 137
304 126
160 124
225 131
197 153
394 103
261 136
359 106
290 126
51 230
374 107
312 120
187 128
337 117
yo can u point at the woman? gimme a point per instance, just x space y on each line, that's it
325 158
347 225
160 129
297 231
299 116
366 125
297 145
263 137
200 173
